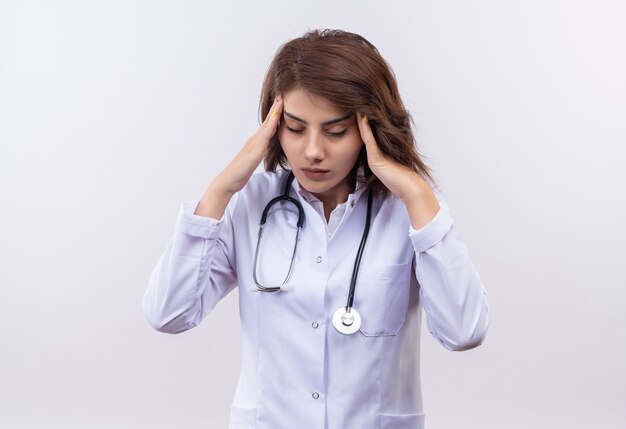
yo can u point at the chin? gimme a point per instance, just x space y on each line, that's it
315 186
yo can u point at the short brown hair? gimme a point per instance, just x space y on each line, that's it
348 71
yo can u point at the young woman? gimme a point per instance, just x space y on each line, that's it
331 291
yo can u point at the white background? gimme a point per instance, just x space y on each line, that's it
112 113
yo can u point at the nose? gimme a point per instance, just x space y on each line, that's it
314 147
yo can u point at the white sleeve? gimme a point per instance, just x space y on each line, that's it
451 292
196 270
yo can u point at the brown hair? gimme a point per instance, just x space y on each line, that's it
349 72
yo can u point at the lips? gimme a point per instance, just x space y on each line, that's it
315 173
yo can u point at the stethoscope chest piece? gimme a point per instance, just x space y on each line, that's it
346 322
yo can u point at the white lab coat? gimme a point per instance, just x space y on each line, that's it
297 370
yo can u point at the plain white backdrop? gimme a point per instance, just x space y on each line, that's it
112 113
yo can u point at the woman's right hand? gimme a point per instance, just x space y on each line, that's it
237 173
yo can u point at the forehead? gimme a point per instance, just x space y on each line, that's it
312 108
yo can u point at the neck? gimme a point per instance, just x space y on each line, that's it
331 200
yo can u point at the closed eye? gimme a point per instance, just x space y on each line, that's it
337 134
293 130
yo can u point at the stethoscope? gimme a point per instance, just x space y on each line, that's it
345 319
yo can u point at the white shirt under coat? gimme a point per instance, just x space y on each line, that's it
297 370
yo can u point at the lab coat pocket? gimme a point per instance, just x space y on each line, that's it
242 417
381 297
401 421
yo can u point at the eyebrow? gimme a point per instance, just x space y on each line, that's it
331 122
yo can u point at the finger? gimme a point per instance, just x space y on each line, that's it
367 135
278 109
269 126
274 111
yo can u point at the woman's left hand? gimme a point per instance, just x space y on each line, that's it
405 183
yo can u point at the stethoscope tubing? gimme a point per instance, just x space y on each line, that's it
357 262
284 197
355 271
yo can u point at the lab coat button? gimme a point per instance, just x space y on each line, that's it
352 203
315 395
319 259
315 325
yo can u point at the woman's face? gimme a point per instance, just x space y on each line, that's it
321 143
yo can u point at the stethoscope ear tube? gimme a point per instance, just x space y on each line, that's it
285 197
283 286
